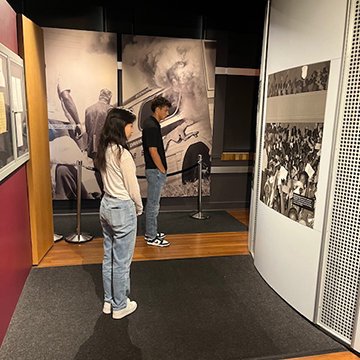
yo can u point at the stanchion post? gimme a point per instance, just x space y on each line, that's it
78 237
199 214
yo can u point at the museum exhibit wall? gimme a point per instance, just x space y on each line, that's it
287 252
235 92
15 244
306 246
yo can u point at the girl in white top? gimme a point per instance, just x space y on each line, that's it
119 207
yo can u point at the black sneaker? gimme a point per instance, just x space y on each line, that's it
157 242
159 235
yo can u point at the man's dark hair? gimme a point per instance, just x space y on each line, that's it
160 102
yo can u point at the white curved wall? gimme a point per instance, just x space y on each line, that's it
286 253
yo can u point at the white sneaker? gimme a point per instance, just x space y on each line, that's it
130 308
107 308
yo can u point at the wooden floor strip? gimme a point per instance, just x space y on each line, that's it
345 355
182 246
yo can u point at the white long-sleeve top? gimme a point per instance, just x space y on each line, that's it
119 178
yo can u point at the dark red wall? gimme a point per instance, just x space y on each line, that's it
15 243
8 33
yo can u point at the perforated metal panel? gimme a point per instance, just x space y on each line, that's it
340 283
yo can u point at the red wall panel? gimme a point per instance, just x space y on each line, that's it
15 245
8 34
15 240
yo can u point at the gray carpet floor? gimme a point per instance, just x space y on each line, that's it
168 222
210 309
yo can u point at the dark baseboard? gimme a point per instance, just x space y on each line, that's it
167 204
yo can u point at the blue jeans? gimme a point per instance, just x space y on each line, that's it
155 182
118 221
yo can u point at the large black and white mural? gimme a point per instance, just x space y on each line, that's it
183 71
295 110
81 84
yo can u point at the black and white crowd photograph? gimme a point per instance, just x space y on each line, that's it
292 140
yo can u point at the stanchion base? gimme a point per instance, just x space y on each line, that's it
77 239
200 216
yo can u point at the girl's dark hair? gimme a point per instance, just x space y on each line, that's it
113 132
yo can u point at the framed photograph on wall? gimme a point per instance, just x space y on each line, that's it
14 145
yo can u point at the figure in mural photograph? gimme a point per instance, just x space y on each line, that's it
95 116
119 207
63 114
65 149
155 169
81 79
63 170
70 110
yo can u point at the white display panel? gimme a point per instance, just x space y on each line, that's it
286 252
287 256
304 32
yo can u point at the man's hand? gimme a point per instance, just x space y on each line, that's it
78 130
156 159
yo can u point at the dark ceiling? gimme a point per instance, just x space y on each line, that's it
226 15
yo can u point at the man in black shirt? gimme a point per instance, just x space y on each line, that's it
155 169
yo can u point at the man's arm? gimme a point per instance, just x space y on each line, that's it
70 110
156 159
70 105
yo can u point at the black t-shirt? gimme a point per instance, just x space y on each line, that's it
151 137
